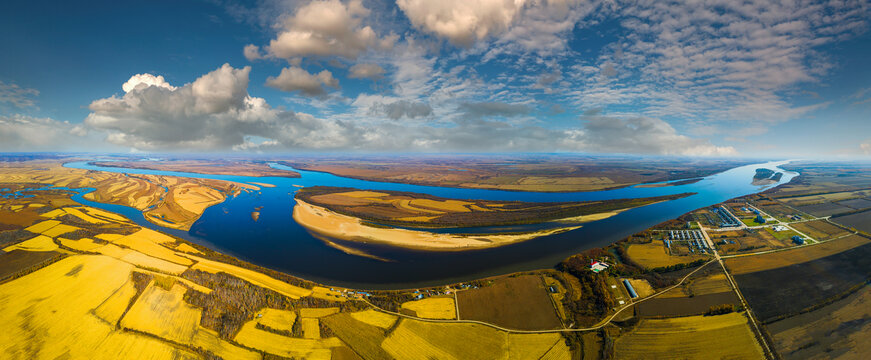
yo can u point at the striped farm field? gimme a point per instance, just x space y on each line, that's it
112 309
256 278
693 337
55 303
433 308
375 318
281 345
281 320
414 339
39 243
164 314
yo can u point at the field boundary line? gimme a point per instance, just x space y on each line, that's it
767 352
788 248
600 325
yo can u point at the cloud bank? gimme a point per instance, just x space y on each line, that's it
216 113
26 133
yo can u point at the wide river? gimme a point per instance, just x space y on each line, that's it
276 241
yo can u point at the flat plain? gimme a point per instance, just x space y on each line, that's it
519 302
694 337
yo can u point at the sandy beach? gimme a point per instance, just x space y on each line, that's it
327 223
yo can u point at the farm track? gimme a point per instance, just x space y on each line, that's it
600 325
759 334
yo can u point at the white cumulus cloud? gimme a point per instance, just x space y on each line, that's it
324 28
462 22
297 79
145 80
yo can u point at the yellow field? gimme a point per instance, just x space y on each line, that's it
109 237
59 230
177 279
105 214
39 243
414 339
276 344
153 236
42 226
46 314
112 309
83 244
143 241
188 249
447 205
277 319
406 204
653 255
85 217
693 337
715 283
321 292
311 328
709 284
478 208
164 314
363 194
317 312
642 287
433 308
53 214
208 339
256 278
196 198
141 260
534 346
558 352
416 218
375 318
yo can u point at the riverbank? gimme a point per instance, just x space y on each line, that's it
277 242
324 222
422 211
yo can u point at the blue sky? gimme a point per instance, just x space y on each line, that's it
712 78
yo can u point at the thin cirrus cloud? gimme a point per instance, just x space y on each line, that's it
28 133
216 112
366 71
496 75
17 96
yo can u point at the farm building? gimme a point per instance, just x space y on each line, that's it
760 219
630 289
597 266
779 228
726 218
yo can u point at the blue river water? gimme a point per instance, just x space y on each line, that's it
276 241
